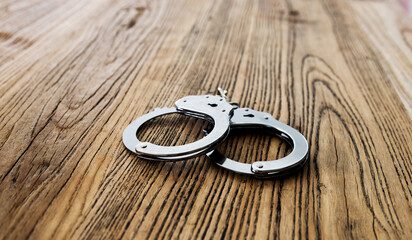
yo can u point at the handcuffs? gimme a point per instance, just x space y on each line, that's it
224 116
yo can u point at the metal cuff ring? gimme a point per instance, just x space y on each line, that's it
209 107
244 118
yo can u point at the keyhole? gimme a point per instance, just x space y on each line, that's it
249 115
212 104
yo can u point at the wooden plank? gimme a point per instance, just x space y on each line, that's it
74 74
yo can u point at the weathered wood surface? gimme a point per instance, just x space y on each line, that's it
74 74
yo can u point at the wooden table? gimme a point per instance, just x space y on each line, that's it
74 74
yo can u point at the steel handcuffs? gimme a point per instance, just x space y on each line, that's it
224 116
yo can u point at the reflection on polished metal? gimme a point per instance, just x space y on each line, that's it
209 107
244 118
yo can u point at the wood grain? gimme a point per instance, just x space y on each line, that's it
74 74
